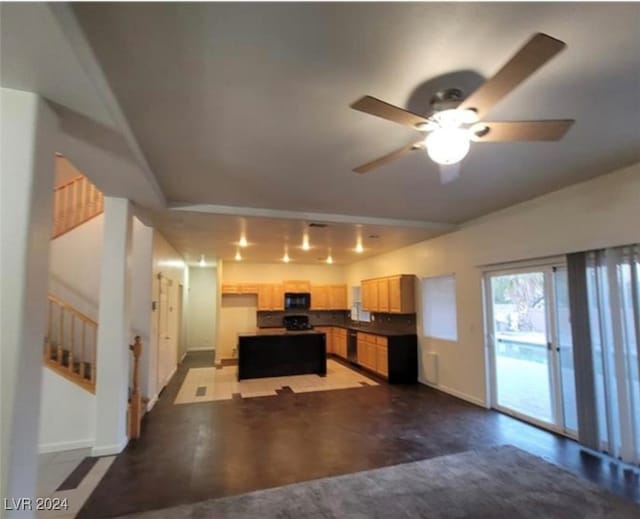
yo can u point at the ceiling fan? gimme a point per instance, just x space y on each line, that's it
455 122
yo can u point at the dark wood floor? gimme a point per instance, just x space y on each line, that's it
193 452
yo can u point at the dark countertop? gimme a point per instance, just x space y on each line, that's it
278 331
364 329
373 331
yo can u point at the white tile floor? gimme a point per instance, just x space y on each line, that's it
221 384
55 467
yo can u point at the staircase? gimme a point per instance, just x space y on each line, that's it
74 203
70 344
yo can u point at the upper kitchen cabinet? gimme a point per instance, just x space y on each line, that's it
319 297
239 288
338 297
297 287
383 294
392 294
369 295
329 297
270 297
402 298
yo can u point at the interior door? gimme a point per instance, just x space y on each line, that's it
529 337
167 331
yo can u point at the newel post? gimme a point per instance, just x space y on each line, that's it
135 415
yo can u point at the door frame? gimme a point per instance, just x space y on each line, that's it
553 367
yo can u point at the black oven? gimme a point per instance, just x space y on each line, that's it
297 301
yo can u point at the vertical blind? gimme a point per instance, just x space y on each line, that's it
612 279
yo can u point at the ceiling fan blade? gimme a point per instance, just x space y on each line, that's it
552 130
449 172
535 53
388 157
371 105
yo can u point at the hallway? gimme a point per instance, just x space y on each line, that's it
192 452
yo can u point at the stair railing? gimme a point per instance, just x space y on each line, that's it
71 344
74 203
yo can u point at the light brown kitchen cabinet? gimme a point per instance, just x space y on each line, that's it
328 332
402 294
270 297
230 288
393 294
383 294
239 288
338 297
370 295
339 342
320 297
382 360
297 287
278 296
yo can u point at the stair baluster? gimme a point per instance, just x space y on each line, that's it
67 355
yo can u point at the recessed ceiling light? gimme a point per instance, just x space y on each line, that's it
286 258
305 243
359 248
238 256
202 263
329 259
243 241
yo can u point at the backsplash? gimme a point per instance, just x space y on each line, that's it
316 317
403 323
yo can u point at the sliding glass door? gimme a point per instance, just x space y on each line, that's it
530 345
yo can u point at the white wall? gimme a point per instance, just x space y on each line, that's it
238 314
74 266
27 136
599 213
201 313
67 414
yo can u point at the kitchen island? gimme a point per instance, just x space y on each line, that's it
277 353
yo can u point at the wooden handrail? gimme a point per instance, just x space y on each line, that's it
74 203
135 406
66 350
77 313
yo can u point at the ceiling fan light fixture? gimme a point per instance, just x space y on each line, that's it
447 145
454 118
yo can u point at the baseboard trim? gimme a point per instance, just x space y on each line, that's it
200 349
458 394
65 446
109 450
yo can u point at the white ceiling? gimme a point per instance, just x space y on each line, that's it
247 105
217 236
243 109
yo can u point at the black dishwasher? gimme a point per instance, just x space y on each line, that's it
352 347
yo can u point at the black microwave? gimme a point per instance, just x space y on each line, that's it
297 301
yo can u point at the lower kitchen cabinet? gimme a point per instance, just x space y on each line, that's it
339 339
394 357
328 331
